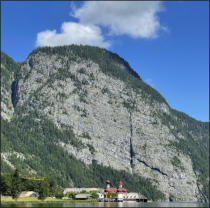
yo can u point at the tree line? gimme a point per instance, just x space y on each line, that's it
13 184
37 138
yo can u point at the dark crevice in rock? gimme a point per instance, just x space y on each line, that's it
14 95
132 154
156 169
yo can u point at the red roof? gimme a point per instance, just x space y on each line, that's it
122 190
112 190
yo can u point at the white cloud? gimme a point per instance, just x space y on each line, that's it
72 33
133 18
137 19
150 82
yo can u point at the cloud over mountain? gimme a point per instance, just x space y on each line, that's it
72 32
135 19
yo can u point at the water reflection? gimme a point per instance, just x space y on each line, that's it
106 204
120 204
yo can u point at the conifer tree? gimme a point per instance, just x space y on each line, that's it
44 190
5 185
16 183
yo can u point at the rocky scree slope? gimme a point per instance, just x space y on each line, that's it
113 118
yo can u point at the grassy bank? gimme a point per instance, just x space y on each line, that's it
8 199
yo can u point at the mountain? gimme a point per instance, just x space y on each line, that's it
82 115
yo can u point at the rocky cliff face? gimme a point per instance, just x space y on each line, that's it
120 124
8 69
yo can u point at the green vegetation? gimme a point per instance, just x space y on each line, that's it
194 144
5 184
105 90
91 148
85 82
86 135
94 195
112 195
39 138
15 185
83 111
110 64
91 76
71 195
129 104
9 63
82 71
176 162
200 158
197 129
8 79
62 96
43 191
7 201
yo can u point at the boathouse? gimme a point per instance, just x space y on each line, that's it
83 196
133 196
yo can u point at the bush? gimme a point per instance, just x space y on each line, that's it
94 195
59 193
71 195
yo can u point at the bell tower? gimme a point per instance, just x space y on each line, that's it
120 184
107 183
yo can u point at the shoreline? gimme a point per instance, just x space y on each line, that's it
8 199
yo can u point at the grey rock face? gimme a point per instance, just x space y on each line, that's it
7 109
126 137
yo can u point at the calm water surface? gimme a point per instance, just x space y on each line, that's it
106 204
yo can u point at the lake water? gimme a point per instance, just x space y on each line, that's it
106 204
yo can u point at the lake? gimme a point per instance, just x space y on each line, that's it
106 204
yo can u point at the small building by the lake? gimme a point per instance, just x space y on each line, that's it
79 190
122 193
29 194
106 194
83 196
133 196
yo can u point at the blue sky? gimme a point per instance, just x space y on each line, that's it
167 43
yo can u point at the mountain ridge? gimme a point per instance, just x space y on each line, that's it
65 83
